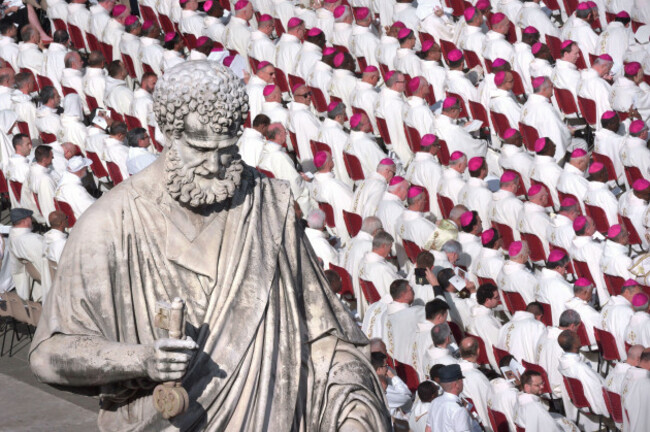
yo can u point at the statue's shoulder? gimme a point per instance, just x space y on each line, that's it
272 189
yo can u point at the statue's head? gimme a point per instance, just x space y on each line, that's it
200 107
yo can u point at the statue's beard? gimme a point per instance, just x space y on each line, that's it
195 186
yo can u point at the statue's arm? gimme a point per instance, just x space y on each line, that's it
92 361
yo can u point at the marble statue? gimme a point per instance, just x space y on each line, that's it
268 346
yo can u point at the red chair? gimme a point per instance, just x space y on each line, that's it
267 173
530 135
518 86
412 250
329 214
519 428
166 23
115 115
483 281
47 138
59 24
599 217
577 395
383 69
582 334
632 174
582 270
609 17
23 127
281 80
471 59
412 137
551 203
607 346
456 331
636 25
147 69
498 420
514 301
488 65
4 187
634 238
424 36
506 233
347 289
97 167
68 90
353 222
190 40
482 355
369 291
29 71
132 122
565 101
295 80
114 173
317 146
318 98
65 208
609 165
362 63
44 81
279 28
537 252
463 108
499 353
107 50
353 166
445 204
383 130
546 388
614 405
294 143
500 122
458 7
443 153
479 113
152 134
93 43
92 103
547 319
130 67
16 188
408 374
588 110
555 45
614 284
446 47
148 14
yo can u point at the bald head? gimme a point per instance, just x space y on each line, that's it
377 345
569 341
634 355
469 349
59 221
7 75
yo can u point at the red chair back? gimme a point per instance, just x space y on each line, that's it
506 233
115 115
384 70
362 63
329 214
166 23
408 374
65 208
295 80
152 135
347 289
500 122
588 110
92 103
636 25
582 334
445 204
29 71
383 130
16 188
148 14
609 17
279 28
518 86
317 146
281 80
458 7
471 59
519 428
484 280
424 36
44 81
443 153
565 101
47 138
456 331
530 135
482 355
499 353
68 90
498 421
463 108
634 239
132 122
353 166
599 217
547 319
114 173
537 252
576 392
59 24
412 137
353 222
582 270
555 45
38 205
93 43
128 64
190 40
23 127
633 174
267 173
412 250
107 50
479 113
607 345
514 301
148 69
318 98
614 405
369 291
294 143
609 165
4 187
614 284
446 47
96 167
546 388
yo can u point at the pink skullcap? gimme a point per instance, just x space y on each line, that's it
613 231
540 143
413 84
498 62
355 120
455 55
596 167
641 185
456 155
536 47
515 248
509 133
475 163
331 1
265 17
208 5
320 158
428 140
332 106
294 22
538 81
592 4
241 4
466 218
296 86
449 102
147 25
606 57
637 126
227 61
640 299
414 191
608 115
632 68
329 50
403 33
362 13
338 59
566 43
469 13
217 49
499 77
497 18
183 1
482 4
578 153
339 10
630 282
555 255
389 74
118 10
579 223
261 65
202 41
582 282
622 14
396 180
314 31
568 202
487 236
583 6
387 161
399 24
508 176
370 69
268 89
169 36
531 30
131 19
534 189
426 45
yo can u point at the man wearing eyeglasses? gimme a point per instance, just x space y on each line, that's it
303 123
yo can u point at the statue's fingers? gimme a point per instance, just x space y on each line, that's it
172 367
175 357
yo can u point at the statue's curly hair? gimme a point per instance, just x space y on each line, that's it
206 87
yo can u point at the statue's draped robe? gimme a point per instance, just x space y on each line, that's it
277 351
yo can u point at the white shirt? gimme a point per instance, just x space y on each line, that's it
118 95
588 315
571 366
516 159
261 47
381 273
151 53
635 153
304 123
24 244
496 46
425 171
364 43
351 258
633 208
515 277
286 53
554 290
519 336
54 242
534 220
446 414
505 209
476 196
413 226
458 139
596 88
365 148
115 151
615 260
330 190
638 330
53 63
95 84
251 144
572 181
484 324
451 184
139 158
635 399
369 194
237 36
332 134
610 144
548 356
30 57
419 116
615 317
390 107
476 387
390 208
560 232
566 76
539 113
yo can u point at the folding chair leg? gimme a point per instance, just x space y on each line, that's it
11 345
578 417
4 337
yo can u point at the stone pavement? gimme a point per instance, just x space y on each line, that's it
29 406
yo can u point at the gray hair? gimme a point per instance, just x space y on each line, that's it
338 110
344 15
440 333
458 161
316 219
371 224
577 289
452 246
457 211
569 317
600 62
134 136
382 238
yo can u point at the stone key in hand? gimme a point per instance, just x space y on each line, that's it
170 398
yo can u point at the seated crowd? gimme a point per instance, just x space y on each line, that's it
473 176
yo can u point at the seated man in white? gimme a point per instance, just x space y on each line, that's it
47 118
251 142
17 167
475 195
391 206
374 267
318 238
425 170
452 181
490 260
457 138
436 312
638 330
427 392
56 237
505 208
519 336
545 168
483 323
439 352
615 260
140 155
616 314
469 236
369 193
636 397
515 276
27 245
412 224
552 287
114 149
475 384
617 376
587 250
362 144
70 189
533 218
560 232
402 318
583 291
41 184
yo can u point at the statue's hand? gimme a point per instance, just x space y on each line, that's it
169 358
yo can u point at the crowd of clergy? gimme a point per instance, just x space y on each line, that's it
474 177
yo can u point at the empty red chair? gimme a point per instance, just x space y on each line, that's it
408 374
353 222
607 345
369 291
582 334
577 395
443 153
65 208
59 24
614 284
614 405
329 214
114 173
582 270
107 50
471 59
353 166
412 250
588 110
92 103
347 289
